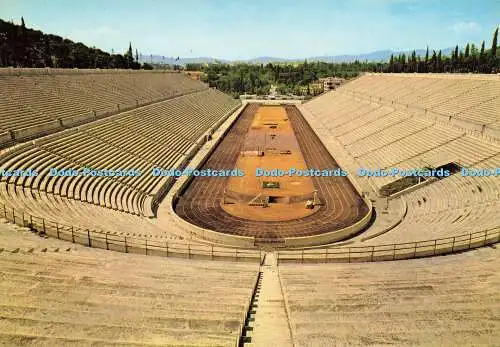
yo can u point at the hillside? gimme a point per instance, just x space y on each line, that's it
24 47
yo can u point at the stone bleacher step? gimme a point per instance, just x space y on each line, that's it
117 318
21 340
146 278
79 283
137 334
110 297
78 304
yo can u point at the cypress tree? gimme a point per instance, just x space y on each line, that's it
413 61
130 55
454 59
439 62
434 61
473 53
426 60
494 44
467 50
481 66
473 50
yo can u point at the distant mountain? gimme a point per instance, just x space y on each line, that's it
158 59
377 56
267 60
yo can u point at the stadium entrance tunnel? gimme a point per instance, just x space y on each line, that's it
414 178
277 200
292 211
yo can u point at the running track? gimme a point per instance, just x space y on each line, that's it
201 202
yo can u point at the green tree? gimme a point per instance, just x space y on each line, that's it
21 46
413 61
473 57
426 60
130 54
482 66
473 50
454 59
439 62
461 59
434 61
494 44
481 52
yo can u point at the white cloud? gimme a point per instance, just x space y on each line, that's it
465 27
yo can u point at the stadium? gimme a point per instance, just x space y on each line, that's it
149 208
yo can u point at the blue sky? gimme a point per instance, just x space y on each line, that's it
246 29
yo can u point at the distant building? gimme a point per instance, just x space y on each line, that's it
315 88
330 83
196 75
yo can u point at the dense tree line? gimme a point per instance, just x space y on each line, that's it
243 78
471 59
24 47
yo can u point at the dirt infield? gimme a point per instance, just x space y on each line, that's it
272 136
201 202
